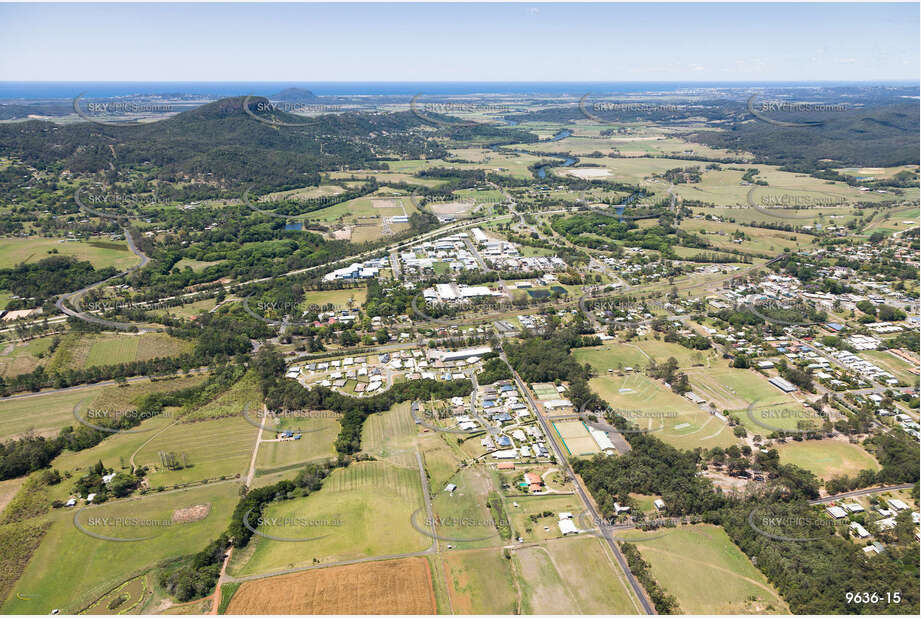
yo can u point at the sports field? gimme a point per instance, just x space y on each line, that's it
827 458
385 587
576 438
707 572
671 418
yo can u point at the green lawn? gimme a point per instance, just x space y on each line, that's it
101 253
827 458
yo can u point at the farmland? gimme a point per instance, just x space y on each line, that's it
386 587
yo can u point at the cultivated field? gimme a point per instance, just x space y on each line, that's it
386 587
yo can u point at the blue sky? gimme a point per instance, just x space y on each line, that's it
454 42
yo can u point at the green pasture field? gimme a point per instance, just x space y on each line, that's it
316 444
306 193
707 572
441 459
546 574
71 569
480 581
390 433
211 448
338 298
244 394
719 235
827 458
195 265
670 417
48 412
893 364
462 517
362 510
100 252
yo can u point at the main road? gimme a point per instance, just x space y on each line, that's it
589 505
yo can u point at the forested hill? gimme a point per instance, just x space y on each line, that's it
872 136
220 143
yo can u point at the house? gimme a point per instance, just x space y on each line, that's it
533 479
90 497
506 465
897 505
567 526
450 487
852 508
107 478
71 502
859 530
506 454
886 524
659 504
618 509
836 511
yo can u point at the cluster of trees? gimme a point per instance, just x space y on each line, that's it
494 369
664 602
119 486
51 276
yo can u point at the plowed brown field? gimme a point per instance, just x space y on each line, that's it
388 587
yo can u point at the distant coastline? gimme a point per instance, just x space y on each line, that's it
11 90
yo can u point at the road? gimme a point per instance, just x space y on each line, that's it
589 505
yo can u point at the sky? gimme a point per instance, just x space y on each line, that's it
459 42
